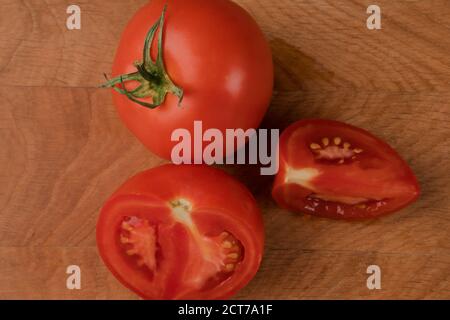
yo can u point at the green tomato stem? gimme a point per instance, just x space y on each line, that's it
154 80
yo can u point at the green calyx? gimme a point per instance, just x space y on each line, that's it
152 76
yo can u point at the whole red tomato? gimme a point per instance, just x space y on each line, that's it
182 232
209 61
335 170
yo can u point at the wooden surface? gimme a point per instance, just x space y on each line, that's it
63 150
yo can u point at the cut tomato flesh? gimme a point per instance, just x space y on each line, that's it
220 256
219 253
214 258
339 199
306 177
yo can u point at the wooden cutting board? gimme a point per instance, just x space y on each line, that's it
63 150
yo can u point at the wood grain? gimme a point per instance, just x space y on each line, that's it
63 150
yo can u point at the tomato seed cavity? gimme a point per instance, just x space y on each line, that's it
337 150
232 250
139 239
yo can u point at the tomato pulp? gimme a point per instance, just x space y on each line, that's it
217 68
334 170
182 232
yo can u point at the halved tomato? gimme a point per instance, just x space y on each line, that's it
182 232
335 170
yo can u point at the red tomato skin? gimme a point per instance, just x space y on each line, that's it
216 52
218 201
402 186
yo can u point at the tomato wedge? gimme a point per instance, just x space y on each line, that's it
335 170
182 232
